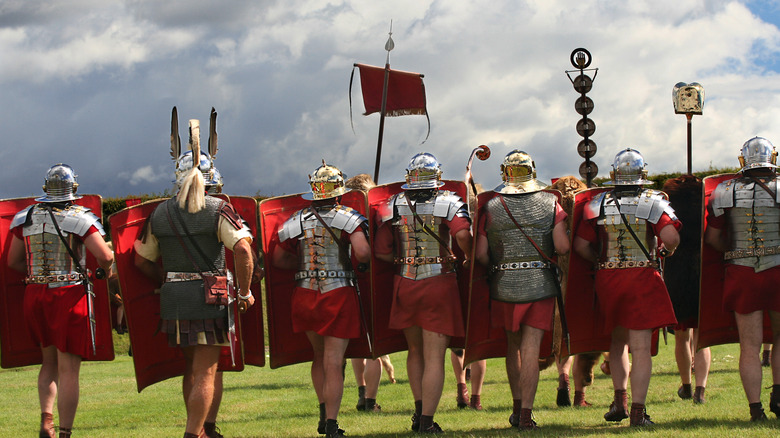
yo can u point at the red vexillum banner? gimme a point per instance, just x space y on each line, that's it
405 91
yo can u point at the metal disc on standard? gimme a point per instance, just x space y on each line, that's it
589 169
583 105
586 148
583 83
586 127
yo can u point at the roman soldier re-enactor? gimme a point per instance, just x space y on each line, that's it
46 238
746 228
190 233
622 233
414 234
317 242
519 231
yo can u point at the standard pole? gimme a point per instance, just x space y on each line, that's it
381 124
689 116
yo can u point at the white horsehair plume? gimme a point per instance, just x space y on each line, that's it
193 189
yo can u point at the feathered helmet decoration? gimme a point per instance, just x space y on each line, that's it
193 179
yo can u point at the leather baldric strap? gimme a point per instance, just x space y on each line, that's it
427 229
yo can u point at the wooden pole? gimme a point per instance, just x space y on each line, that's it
381 124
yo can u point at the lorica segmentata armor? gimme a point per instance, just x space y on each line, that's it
321 265
419 255
519 274
48 260
754 222
619 249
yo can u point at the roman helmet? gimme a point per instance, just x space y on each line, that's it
326 182
629 169
756 153
60 184
423 172
518 173
184 160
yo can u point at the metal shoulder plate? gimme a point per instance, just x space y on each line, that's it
347 219
21 217
448 205
75 219
292 227
593 209
652 204
723 197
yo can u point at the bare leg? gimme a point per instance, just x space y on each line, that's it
434 347
529 369
750 328
47 379
203 370
642 364
618 353
68 367
415 362
682 353
478 370
359 367
513 362
702 361
333 387
211 417
372 374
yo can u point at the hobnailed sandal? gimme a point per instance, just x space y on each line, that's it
475 403
526 421
579 400
684 392
616 413
698 395
564 391
639 417
774 400
47 426
463 396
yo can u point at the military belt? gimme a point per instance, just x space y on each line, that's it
323 273
751 252
423 260
173 277
513 266
630 264
54 278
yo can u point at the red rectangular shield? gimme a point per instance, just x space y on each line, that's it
18 348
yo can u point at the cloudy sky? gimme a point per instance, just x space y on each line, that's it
92 82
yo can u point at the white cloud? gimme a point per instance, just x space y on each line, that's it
101 77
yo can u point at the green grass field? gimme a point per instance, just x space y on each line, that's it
260 402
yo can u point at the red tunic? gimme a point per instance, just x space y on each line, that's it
57 316
333 313
744 290
633 298
432 304
511 316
